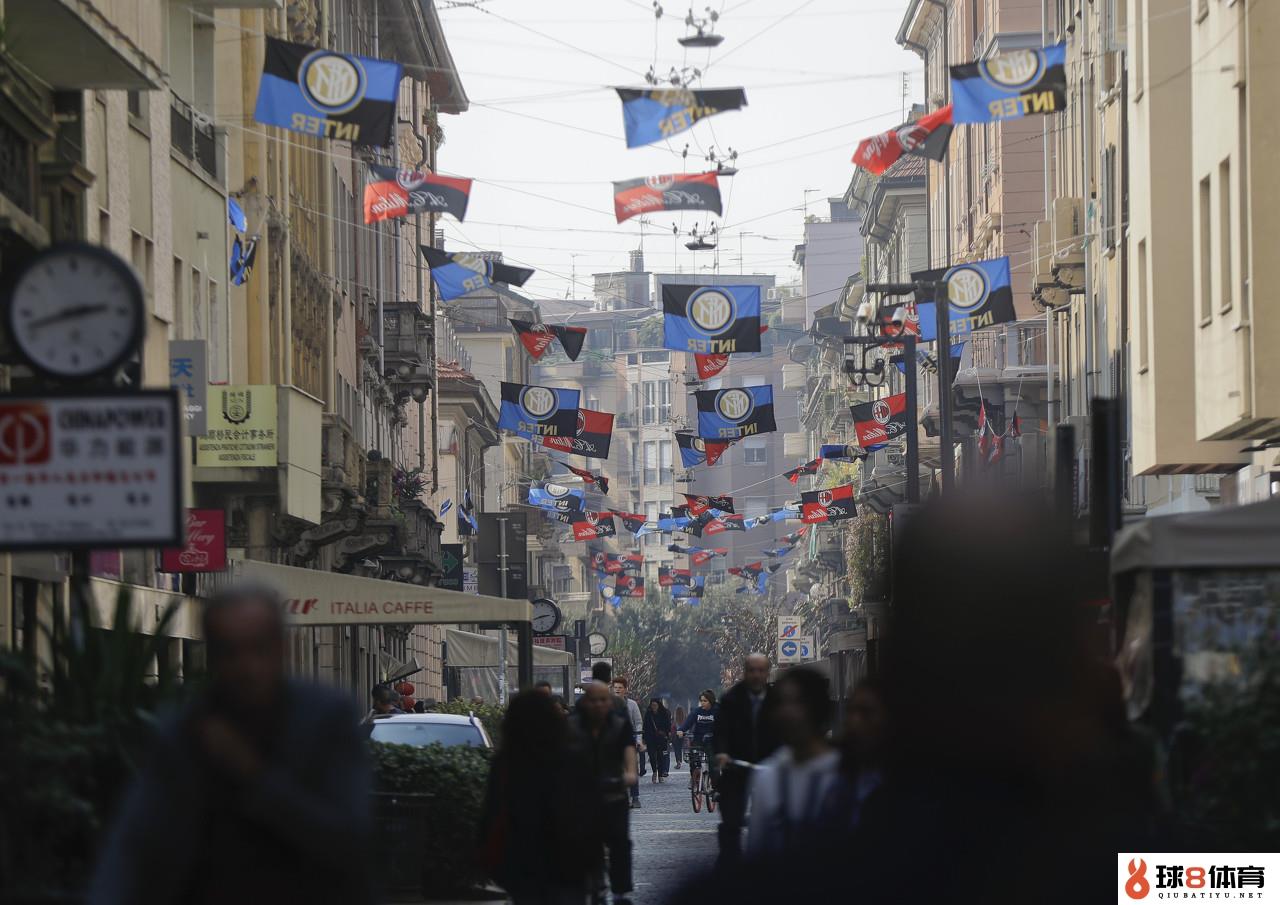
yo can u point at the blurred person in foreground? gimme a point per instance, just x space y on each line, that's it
256 792
742 733
789 788
541 806
610 747
1009 774
861 771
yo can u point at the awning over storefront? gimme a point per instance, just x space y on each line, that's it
332 598
1231 537
468 649
147 605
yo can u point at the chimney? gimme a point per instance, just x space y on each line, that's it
637 260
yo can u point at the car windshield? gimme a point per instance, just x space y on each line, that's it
397 732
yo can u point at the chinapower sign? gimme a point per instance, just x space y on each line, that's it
92 470
880 421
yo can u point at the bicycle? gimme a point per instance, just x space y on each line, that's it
700 779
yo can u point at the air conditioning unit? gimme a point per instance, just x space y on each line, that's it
1068 234
794 377
795 445
1042 241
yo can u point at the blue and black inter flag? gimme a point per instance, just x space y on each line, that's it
1010 85
328 94
735 413
711 320
979 295
653 114
533 411
455 274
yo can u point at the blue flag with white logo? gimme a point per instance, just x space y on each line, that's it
735 413
557 497
455 274
979 295
711 320
1010 85
534 411
654 114
328 94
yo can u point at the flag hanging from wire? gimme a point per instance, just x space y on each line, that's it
590 438
979 295
558 497
600 481
926 137
327 94
537 337
701 504
390 193
711 320
455 274
588 525
735 413
676 192
710 365
652 114
808 468
880 421
534 411
831 505
1010 85
694 450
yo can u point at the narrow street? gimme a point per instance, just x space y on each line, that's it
671 841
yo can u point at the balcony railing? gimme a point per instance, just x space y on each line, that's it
1017 346
192 136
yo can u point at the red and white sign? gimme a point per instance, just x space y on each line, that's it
98 470
556 642
206 549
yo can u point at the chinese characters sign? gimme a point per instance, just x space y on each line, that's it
97 470
206 549
189 375
242 428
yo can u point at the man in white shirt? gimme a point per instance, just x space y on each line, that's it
790 788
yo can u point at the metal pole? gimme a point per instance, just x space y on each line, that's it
502 633
913 423
942 320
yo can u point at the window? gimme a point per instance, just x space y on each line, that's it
1224 233
655 402
755 380
651 462
1108 192
664 449
756 506
1139 46
755 447
1144 316
1206 253
651 514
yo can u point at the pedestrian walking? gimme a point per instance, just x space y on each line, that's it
382 703
611 752
657 735
789 789
861 773
620 688
742 733
677 740
538 840
257 791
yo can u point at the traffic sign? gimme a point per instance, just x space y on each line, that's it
788 651
806 648
789 627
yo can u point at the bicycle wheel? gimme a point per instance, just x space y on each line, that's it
696 793
711 801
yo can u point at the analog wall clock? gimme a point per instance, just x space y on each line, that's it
76 312
597 643
546 616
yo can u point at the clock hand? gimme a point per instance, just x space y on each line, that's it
66 314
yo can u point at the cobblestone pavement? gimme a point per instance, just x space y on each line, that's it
670 840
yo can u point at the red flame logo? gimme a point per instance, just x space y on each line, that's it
1137 887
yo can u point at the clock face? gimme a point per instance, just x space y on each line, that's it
546 616
598 644
76 312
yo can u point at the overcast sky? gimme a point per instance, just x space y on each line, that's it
829 67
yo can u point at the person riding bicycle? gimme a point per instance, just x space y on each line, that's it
702 723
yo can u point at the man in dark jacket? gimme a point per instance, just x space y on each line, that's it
256 792
742 733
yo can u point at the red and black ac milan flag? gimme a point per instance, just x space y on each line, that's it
676 192
392 193
926 137
631 561
700 504
607 563
880 421
722 524
591 437
796 536
601 482
832 505
711 365
694 450
632 521
808 468
668 577
702 557
537 337
629 586
592 525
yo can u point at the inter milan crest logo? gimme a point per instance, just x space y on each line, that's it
538 401
967 287
735 405
331 82
710 311
1016 69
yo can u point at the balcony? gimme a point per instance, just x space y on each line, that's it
1010 354
194 137
70 45
408 349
